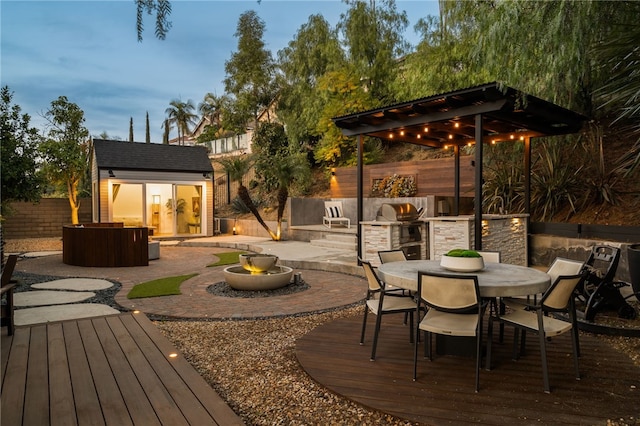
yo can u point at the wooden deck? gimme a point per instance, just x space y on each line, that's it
114 370
511 393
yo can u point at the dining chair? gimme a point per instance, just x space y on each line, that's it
559 266
490 256
387 256
454 308
381 302
558 298
6 294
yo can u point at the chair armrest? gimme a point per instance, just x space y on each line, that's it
7 288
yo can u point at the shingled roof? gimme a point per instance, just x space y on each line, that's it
119 155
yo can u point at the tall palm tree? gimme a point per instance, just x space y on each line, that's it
182 115
236 168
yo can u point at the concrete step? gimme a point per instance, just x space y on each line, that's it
345 238
343 245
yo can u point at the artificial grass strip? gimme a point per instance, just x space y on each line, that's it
161 287
228 258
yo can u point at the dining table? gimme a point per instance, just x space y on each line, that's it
494 280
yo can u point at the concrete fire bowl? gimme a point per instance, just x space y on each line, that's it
258 263
239 278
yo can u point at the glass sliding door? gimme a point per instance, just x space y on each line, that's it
188 209
160 208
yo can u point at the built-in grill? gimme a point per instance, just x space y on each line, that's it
409 226
398 212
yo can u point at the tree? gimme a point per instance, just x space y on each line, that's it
66 149
166 125
182 116
314 51
372 33
213 108
250 70
21 180
21 177
130 129
620 56
342 94
147 133
236 168
162 9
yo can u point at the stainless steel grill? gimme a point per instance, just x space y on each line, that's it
398 212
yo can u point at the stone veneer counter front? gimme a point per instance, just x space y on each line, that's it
388 235
504 233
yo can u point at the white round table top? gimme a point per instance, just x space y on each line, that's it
495 280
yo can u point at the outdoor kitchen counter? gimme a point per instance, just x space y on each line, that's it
506 233
378 235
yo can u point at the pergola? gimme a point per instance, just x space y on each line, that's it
488 113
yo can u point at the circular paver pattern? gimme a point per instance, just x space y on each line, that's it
77 284
49 297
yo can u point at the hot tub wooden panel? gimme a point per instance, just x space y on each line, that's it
105 245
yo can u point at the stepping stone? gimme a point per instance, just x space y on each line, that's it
44 314
46 297
41 253
77 284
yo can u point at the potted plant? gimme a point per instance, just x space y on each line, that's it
462 260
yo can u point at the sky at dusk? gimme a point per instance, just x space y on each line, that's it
88 51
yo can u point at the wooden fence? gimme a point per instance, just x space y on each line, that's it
432 177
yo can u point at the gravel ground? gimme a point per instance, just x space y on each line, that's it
252 364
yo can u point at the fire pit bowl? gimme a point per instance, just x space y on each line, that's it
258 263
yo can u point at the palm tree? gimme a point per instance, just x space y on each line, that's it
181 114
236 168
213 108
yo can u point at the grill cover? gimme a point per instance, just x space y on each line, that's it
398 212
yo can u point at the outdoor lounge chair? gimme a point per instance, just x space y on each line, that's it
333 214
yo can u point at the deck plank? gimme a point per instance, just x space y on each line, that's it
161 362
211 401
140 409
161 401
112 403
15 377
63 410
112 370
36 405
85 396
444 393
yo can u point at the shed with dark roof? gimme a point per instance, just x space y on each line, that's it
168 188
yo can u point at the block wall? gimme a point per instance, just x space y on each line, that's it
44 219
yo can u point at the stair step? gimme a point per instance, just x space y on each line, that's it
344 245
345 238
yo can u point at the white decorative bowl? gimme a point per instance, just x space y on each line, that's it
462 264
